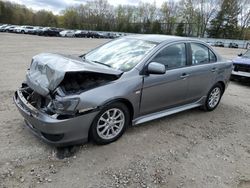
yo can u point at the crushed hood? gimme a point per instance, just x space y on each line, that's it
47 71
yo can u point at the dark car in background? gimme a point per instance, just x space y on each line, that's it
241 66
50 31
93 34
81 34
37 30
219 44
233 45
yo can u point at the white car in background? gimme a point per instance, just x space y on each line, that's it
25 29
67 33
18 29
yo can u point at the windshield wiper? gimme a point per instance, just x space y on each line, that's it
83 58
101 63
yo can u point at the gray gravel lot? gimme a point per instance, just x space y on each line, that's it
193 149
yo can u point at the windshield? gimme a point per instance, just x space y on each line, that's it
247 54
122 54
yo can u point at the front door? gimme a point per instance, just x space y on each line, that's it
170 89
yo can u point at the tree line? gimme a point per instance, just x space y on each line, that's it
199 18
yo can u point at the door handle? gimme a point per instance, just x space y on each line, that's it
214 69
184 75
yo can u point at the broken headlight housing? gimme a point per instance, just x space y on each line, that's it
64 106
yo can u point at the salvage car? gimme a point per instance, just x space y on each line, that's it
241 66
67 100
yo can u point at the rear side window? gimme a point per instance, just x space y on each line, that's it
201 54
173 56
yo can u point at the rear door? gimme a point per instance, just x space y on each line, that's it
202 71
170 89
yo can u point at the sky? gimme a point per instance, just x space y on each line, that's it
57 5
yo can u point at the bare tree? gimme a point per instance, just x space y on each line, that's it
169 15
207 10
244 17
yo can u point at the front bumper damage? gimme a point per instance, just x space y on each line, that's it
58 132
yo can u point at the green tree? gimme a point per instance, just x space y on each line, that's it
168 16
180 29
225 24
156 27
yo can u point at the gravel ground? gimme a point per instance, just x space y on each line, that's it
190 149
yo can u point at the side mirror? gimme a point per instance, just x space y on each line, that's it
156 68
240 54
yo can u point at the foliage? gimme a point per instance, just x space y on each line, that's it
180 29
12 13
225 24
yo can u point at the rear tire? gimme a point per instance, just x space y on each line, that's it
110 124
213 97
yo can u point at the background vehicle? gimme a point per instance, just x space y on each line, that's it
209 43
241 66
219 44
248 46
38 30
80 33
160 75
233 45
29 30
93 34
67 33
9 28
49 31
18 29
2 27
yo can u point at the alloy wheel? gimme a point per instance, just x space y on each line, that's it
110 123
214 97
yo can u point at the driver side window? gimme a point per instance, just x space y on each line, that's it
173 56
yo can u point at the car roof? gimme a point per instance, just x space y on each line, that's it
160 38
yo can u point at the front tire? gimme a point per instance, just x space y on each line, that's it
110 124
213 97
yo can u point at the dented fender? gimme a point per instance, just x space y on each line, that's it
126 88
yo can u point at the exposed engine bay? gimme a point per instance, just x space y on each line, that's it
54 82
74 82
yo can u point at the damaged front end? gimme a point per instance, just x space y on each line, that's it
55 81
63 101
50 97
54 105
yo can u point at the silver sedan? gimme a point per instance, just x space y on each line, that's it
66 100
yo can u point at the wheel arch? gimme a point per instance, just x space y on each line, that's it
222 85
125 102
